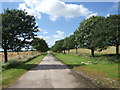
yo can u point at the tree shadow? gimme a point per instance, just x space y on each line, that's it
38 67
50 67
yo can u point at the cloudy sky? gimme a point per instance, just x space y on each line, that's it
57 19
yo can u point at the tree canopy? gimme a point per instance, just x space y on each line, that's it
17 28
88 33
40 44
95 33
58 46
113 30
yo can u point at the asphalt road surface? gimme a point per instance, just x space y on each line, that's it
50 73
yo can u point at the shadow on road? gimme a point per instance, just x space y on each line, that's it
37 67
48 67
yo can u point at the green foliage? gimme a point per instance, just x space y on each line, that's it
17 24
113 30
17 28
58 47
87 33
69 42
12 64
40 44
66 43
95 33
72 41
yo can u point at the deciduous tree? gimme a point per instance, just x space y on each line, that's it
40 44
88 33
113 30
58 46
17 28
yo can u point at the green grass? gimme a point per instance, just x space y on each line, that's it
70 59
106 74
101 71
11 74
109 70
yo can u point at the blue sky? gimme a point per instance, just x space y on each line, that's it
57 19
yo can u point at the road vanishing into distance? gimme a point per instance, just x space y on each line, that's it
50 73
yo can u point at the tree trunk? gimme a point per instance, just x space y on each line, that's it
117 50
76 51
92 52
64 52
68 51
5 55
17 53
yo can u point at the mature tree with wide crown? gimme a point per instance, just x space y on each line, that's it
87 33
113 31
17 28
95 33
40 44
109 33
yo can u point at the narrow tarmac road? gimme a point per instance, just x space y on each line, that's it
50 73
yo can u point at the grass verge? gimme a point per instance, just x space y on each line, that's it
12 73
102 71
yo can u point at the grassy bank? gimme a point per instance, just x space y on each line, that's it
17 68
100 68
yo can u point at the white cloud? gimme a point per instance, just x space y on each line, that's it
45 32
90 15
51 39
60 34
30 11
54 8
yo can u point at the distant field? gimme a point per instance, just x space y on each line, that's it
110 50
19 55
